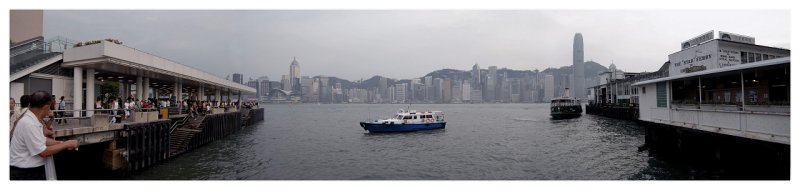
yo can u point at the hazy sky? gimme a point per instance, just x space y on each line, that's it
406 44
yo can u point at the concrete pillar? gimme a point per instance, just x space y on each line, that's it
218 97
122 88
145 89
77 90
139 87
175 89
201 93
229 97
240 98
741 80
700 89
90 97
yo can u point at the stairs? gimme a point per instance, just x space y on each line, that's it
179 139
183 134
245 117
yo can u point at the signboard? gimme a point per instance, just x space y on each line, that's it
693 59
736 38
697 40
728 57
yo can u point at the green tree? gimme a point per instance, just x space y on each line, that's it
109 87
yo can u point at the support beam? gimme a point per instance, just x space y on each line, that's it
90 97
77 90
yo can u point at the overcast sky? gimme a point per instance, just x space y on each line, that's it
407 44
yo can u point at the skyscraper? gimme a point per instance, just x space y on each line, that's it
286 83
549 89
238 78
294 76
383 84
476 76
491 85
578 88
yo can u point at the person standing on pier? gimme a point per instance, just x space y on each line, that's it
23 107
60 114
29 146
13 105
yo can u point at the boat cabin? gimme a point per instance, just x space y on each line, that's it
420 117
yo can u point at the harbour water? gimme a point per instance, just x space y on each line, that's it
481 142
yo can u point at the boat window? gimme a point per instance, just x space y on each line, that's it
407 117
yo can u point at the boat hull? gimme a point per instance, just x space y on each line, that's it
566 112
564 115
399 127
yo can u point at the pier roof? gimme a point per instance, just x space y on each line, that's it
124 60
776 61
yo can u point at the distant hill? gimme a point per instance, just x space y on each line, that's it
591 70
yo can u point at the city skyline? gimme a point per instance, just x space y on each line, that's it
357 45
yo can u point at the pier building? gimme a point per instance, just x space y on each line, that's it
728 85
110 139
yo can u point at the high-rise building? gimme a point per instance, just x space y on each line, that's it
476 77
325 89
286 83
305 88
466 90
382 85
391 97
238 78
314 91
400 92
447 91
294 76
264 87
549 88
437 90
338 96
252 84
429 88
457 92
503 92
578 90
491 85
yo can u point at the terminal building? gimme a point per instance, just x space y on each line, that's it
725 85
79 70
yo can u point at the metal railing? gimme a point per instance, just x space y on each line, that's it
176 124
33 52
111 112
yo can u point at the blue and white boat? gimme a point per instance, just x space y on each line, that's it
407 121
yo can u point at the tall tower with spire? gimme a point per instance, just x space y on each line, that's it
577 68
294 75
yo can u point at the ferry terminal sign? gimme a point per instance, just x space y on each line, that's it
693 59
736 38
697 40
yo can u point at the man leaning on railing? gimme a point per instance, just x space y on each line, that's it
29 146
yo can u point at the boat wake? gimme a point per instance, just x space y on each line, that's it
523 119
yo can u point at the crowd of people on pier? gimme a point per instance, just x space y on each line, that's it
32 134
